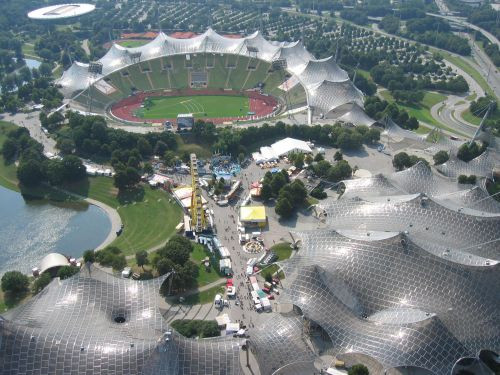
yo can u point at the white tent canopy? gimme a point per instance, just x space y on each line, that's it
281 148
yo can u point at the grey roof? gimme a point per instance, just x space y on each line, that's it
480 166
327 86
356 115
69 328
384 296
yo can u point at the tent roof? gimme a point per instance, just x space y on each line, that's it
253 213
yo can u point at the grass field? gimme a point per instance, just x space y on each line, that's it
132 43
205 276
469 117
207 296
200 106
149 215
422 111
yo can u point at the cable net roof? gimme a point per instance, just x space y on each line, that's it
70 327
386 297
327 86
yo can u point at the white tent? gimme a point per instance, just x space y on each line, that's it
288 145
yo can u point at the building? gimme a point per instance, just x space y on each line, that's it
280 149
253 216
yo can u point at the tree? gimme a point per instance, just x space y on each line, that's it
160 148
126 177
309 159
73 168
318 193
41 282
89 256
277 183
284 208
67 271
299 161
169 158
142 258
358 370
322 168
164 266
266 192
338 156
15 282
318 157
9 149
30 173
66 145
119 262
440 157
401 161
176 250
144 147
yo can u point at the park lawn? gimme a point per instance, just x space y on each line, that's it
205 276
422 111
149 215
365 73
8 177
200 106
469 117
132 43
422 129
311 201
282 250
472 97
207 296
200 151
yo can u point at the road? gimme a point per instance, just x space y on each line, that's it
461 21
483 64
31 122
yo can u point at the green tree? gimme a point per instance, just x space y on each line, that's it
277 183
119 262
318 157
338 156
169 158
67 271
144 147
358 370
73 168
141 258
89 256
284 208
401 161
164 266
309 159
9 149
66 145
440 157
15 282
299 161
30 172
41 282
266 192
322 168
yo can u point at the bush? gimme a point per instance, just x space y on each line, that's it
318 193
41 282
196 328
67 271
89 256
111 257
358 370
15 282
469 151
441 157
463 179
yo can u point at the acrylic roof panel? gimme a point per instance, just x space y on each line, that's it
317 71
480 166
326 96
471 237
70 327
279 342
473 198
356 115
296 56
76 78
440 311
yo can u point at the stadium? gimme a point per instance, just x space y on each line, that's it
258 79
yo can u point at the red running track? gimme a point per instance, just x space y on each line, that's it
261 105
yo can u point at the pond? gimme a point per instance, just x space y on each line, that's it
31 229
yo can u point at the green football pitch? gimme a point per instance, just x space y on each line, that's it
211 106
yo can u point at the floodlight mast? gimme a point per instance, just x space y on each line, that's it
94 69
281 65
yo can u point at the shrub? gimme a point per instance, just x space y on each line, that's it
318 193
67 271
41 282
358 370
89 256
15 282
441 157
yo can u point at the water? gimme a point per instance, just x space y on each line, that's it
29 230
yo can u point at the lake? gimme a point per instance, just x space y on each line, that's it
31 229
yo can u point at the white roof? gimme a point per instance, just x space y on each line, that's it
53 260
288 145
61 11
222 320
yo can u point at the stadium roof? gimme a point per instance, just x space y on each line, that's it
61 11
327 86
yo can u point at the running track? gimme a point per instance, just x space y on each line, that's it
261 105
